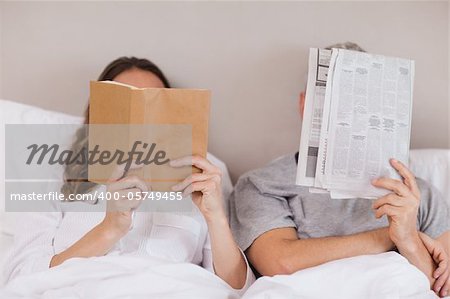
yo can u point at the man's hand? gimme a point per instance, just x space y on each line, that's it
401 206
440 257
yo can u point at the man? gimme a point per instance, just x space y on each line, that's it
283 228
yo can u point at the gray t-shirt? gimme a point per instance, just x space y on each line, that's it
267 198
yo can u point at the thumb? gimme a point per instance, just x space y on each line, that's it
428 242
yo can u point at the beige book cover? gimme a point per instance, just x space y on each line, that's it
150 125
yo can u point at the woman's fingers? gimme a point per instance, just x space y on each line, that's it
121 170
127 183
408 176
125 200
195 177
204 187
126 194
196 161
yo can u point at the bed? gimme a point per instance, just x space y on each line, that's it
430 164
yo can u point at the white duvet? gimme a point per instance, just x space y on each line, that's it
120 277
384 276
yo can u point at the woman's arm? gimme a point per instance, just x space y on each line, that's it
228 262
115 225
97 242
205 187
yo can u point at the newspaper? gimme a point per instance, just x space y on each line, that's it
319 61
366 120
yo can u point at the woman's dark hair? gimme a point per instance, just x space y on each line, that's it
76 175
123 64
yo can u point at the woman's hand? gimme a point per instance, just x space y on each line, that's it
99 240
442 274
401 206
206 187
206 190
121 203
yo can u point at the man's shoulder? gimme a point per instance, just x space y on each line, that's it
284 166
428 192
426 188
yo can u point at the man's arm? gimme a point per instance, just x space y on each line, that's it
440 257
417 254
401 208
279 251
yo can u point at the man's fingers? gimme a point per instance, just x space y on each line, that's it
445 289
437 252
441 274
391 199
440 282
408 176
429 243
387 210
442 263
442 267
392 185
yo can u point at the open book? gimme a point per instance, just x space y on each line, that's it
147 127
357 116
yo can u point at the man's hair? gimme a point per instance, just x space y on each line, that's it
346 46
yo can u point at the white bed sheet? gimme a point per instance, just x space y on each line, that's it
6 242
382 276
111 277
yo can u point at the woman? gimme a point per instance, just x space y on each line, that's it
202 237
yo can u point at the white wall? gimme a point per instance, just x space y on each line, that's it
1 66
251 55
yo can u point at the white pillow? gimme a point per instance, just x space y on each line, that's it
16 113
432 165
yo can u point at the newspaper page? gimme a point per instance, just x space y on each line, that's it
320 177
319 60
369 120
